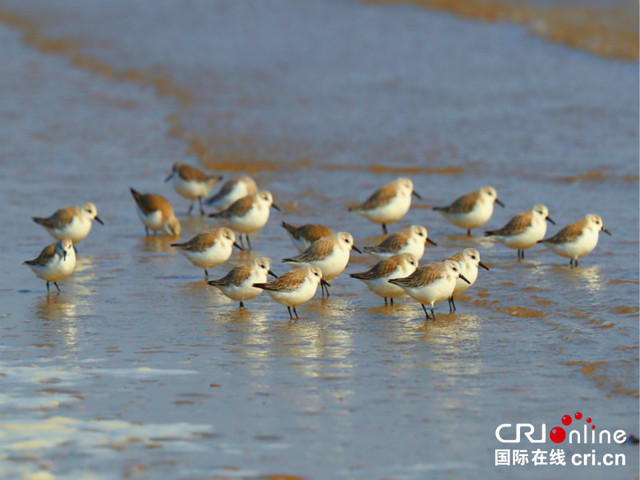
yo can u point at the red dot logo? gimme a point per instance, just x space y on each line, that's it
557 435
578 415
589 420
566 420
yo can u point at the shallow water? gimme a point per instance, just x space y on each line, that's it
603 27
139 369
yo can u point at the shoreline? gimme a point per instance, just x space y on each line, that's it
203 147
588 29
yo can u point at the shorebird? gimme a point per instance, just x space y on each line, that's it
431 283
524 230
233 190
238 283
248 215
55 262
294 288
73 223
377 278
578 239
156 213
469 260
209 249
410 240
388 204
330 254
302 237
192 183
471 210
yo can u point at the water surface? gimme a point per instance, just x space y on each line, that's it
138 368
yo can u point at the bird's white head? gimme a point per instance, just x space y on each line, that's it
489 195
594 222
314 274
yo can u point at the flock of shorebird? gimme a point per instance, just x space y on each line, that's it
324 255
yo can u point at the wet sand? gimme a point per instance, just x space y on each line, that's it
603 27
138 368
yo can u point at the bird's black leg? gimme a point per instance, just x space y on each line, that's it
468 232
384 228
289 310
385 301
294 311
453 304
522 253
248 241
391 301
324 287
425 311
241 307
201 209
433 314
56 284
190 208
206 274
47 286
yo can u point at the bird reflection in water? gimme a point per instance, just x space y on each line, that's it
62 313
157 244
588 278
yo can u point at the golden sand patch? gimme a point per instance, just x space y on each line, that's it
591 176
163 85
517 311
610 32
624 310
597 372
